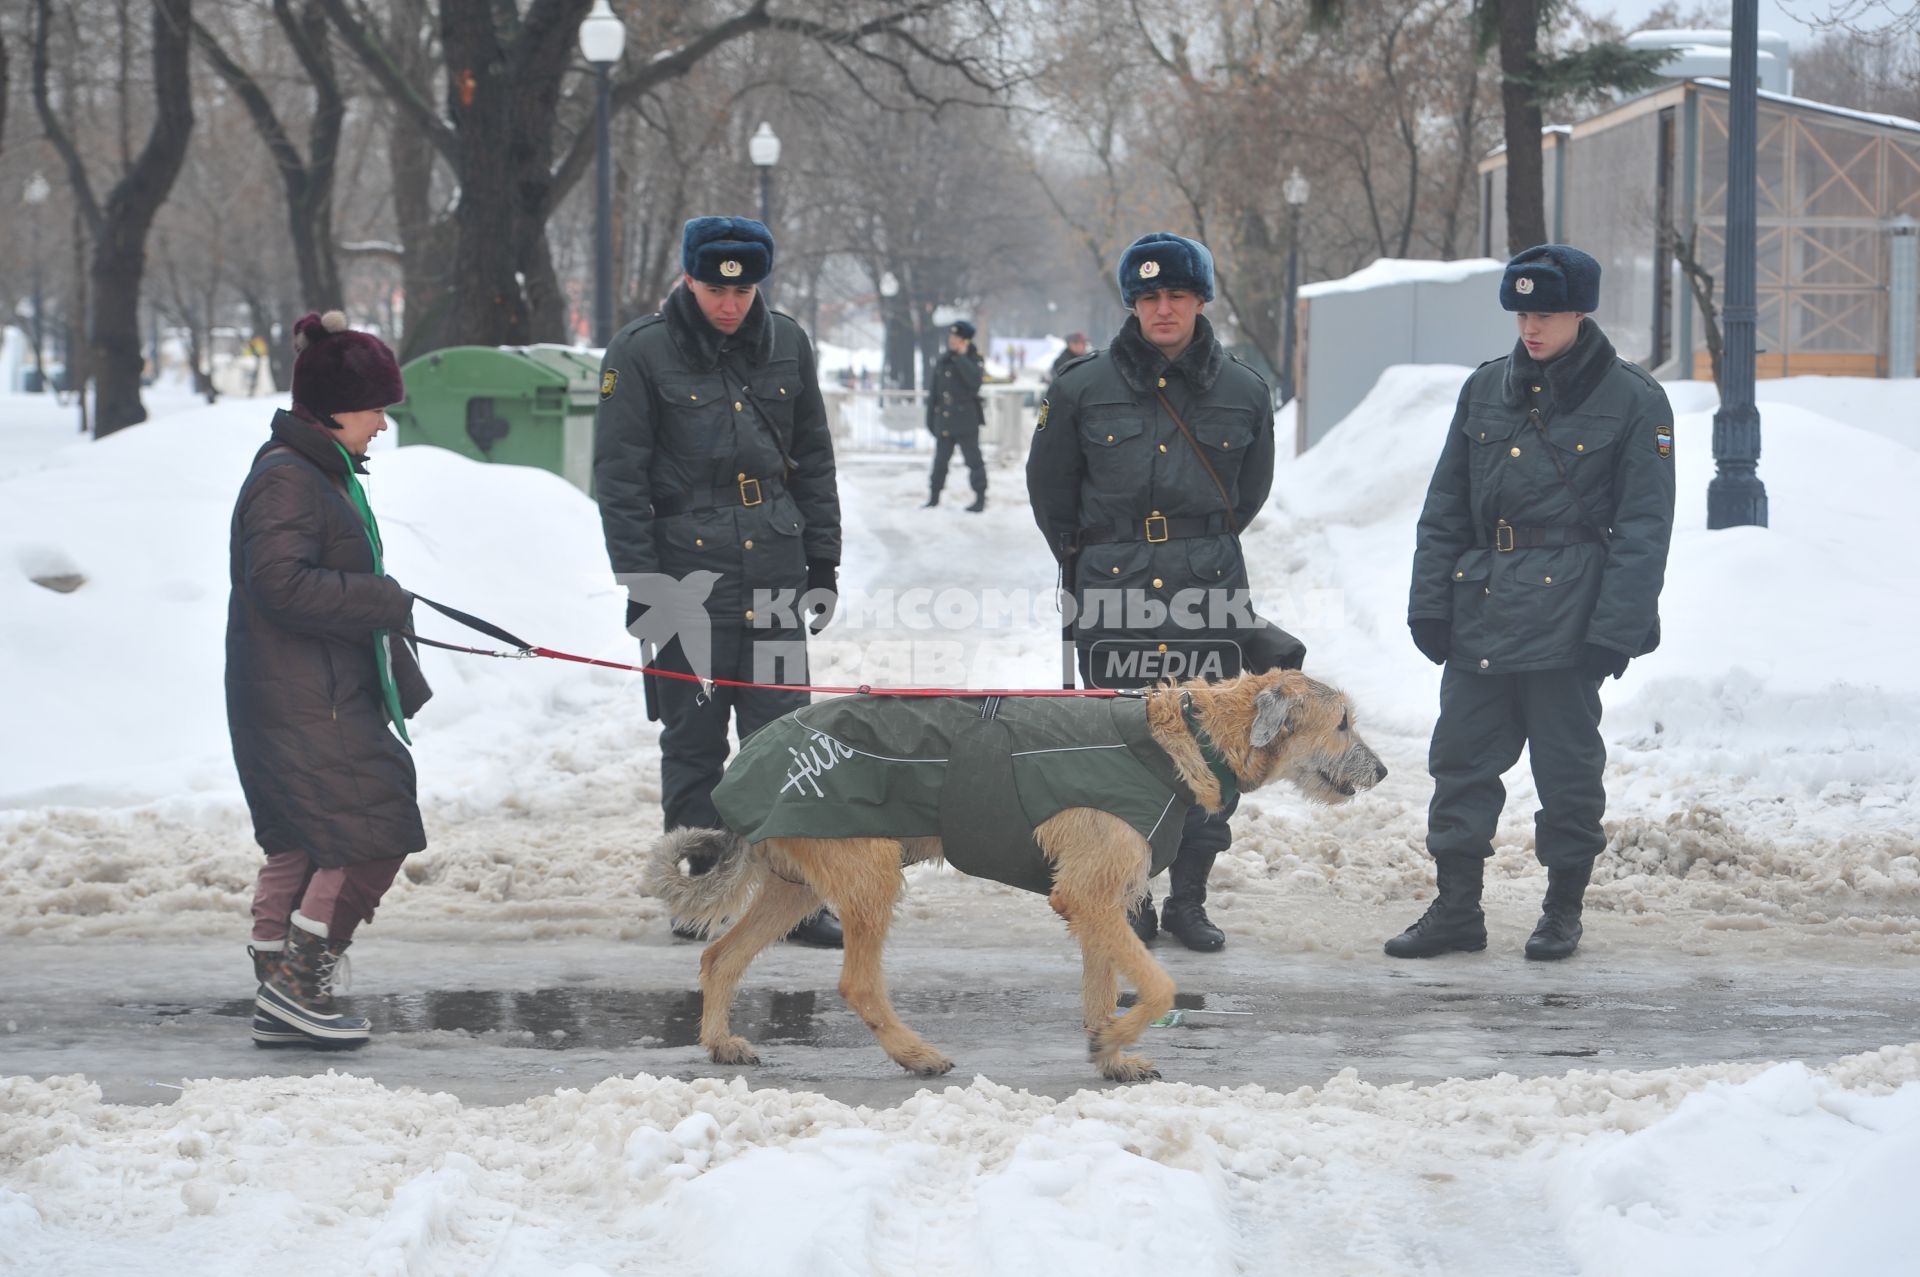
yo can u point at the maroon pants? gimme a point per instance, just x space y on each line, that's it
341 898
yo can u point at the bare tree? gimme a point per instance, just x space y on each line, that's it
516 140
307 182
118 226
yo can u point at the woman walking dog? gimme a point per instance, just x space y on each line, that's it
316 673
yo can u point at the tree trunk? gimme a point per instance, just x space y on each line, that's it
1519 57
120 226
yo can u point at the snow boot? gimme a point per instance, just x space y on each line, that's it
298 991
930 502
267 1031
1141 918
1454 921
979 503
1558 932
820 930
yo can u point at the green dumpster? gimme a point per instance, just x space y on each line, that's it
519 405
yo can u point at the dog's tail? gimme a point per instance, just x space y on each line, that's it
705 900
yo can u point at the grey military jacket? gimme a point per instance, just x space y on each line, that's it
712 453
1108 460
953 398
1504 552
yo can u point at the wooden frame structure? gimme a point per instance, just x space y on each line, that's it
1830 181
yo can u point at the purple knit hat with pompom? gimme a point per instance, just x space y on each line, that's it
338 370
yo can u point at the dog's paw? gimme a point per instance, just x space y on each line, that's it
1130 1068
927 1063
733 1050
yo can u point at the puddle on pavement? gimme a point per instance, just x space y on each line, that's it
577 1019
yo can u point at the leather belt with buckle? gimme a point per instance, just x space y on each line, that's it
1155 529
1507 538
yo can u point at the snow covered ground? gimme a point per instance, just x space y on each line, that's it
1762 786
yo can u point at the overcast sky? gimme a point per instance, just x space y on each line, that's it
1787 17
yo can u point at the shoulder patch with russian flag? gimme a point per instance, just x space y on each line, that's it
1663 440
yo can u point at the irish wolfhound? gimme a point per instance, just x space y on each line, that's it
1202 740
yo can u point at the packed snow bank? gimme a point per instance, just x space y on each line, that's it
1726 1169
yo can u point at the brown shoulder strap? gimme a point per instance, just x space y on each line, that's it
1200 452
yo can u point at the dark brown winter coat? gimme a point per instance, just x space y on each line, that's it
322 772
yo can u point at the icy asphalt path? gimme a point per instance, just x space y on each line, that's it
499 1023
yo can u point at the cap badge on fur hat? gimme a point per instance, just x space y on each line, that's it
731 269
1523 286
1149 269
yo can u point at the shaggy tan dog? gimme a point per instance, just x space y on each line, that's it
1276 726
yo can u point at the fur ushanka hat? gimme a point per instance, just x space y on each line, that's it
1549 278
726 250
1160 260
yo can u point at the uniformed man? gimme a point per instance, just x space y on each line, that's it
1541 553
1150 458
713 463
955 413
1076 346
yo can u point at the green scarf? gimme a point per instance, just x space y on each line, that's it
382 639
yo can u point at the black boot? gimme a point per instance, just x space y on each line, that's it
1141 918
979 503
1453 921
931 501
1187 922
820 930
1184 916
1558 933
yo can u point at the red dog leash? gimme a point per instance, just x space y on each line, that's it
524 650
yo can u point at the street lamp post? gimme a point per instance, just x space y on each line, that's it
36 195
1296 190
1736 497
763 148
602 38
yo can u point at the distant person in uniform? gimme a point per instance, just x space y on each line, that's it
1076 346
955 413
712 455
1537 574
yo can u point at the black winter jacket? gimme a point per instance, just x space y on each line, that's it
712 453
1604 527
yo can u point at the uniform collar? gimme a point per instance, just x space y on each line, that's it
1141 365
702 345
1570 378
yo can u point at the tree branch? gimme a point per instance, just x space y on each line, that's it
83 195
375 57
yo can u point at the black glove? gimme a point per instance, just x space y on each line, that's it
634 612
1434 638
1597 662
823 592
